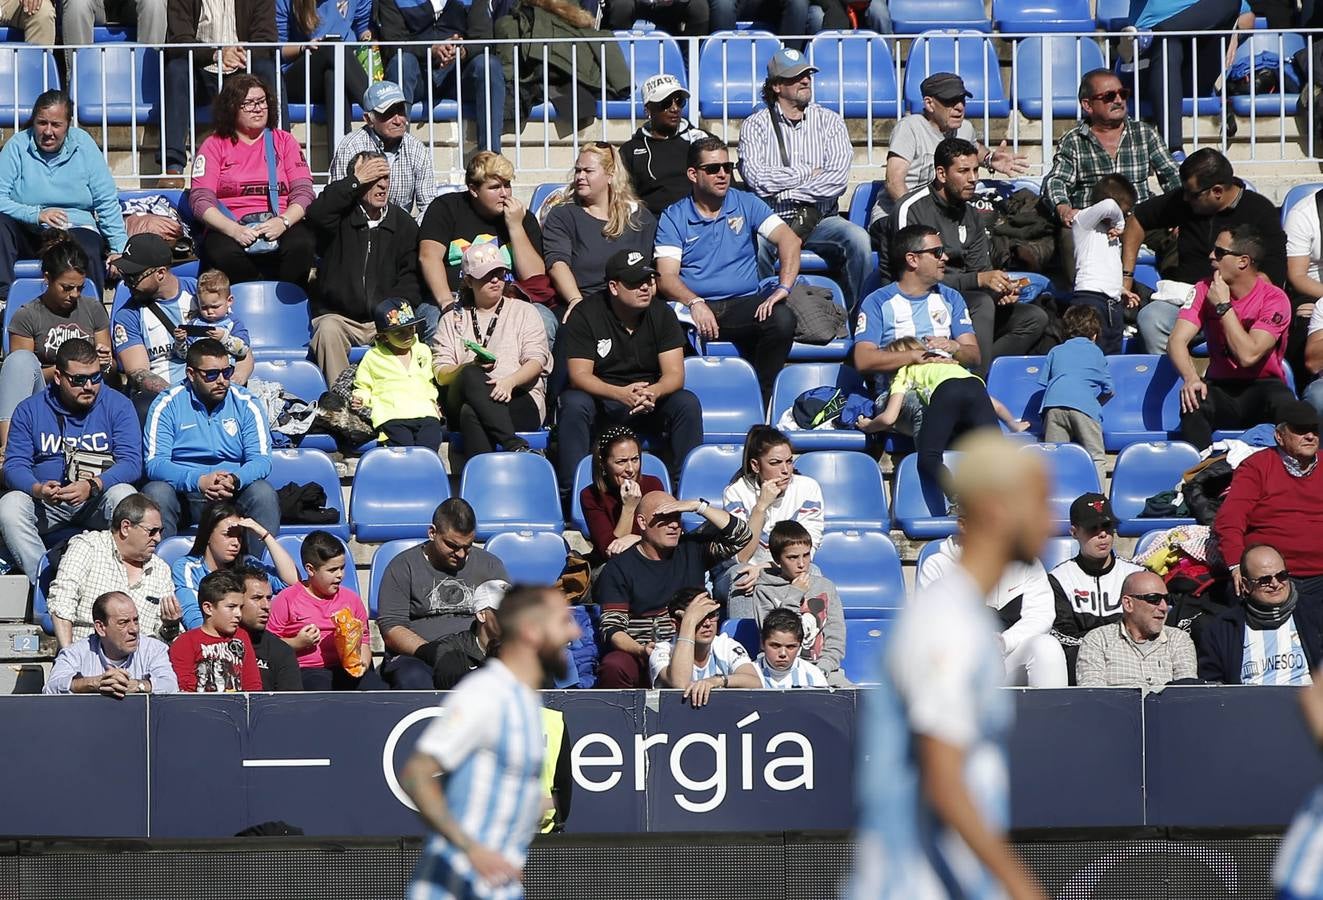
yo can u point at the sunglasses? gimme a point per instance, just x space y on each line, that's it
675 100
635 285
934 252
1263 581
714 168
1111 96
81 380
134 280
151 532
1220 253
1195 195
210 375
1154 598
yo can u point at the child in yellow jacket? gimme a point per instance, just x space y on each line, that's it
394 384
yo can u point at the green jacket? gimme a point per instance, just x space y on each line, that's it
532 25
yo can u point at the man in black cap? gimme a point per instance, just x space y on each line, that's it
625 355
1088 586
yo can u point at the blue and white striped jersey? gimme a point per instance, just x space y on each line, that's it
490 743
1298 872
1274 656
725 656
802 674
942 678
887 314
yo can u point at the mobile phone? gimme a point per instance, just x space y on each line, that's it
481 352
198 330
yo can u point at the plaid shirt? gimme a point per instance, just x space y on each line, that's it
1080 161
91 567
1110 657
412 179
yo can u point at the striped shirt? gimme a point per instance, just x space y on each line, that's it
1298 872
801 674
820 153
412 178
489 741
1274 656
723 658
91 567
1080 161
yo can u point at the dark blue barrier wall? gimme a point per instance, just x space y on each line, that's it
208 766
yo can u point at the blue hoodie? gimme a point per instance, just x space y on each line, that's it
35 451
76 179
184 440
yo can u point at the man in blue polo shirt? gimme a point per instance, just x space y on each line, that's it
707 259
207 440
917 305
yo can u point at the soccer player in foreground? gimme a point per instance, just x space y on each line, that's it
1298 873
932 756
487 748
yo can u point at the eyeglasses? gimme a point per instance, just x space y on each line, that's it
714 168
253 105
1154 598
635 285
675 100
1195 195
1223 252
80 380
1111 96
934 252
151 532
134 280
1263 581
210 375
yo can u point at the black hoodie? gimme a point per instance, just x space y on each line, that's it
658 165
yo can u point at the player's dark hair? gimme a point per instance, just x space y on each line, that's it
455 515
76 350
680 601
951 149
517 603
705 145
205 348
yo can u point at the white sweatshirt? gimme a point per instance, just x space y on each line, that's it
802 502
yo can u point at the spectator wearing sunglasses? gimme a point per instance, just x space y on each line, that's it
123 559
1268 636
76 410
1142 650
657 156
207 440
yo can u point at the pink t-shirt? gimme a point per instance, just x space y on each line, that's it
235 172
296 606
1264 308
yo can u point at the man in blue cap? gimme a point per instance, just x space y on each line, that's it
412 175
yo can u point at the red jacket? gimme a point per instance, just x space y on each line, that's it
1266 505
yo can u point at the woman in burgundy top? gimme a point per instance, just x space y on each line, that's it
609 503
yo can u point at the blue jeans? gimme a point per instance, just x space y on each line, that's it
1171 74
1314 395
20 378
1156 320
842 244
484 85
256 501
25 521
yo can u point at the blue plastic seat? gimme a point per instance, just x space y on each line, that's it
293 545
1146 405
862 200
119 84
800 377
920 508
1112 15
380 509
512 492
308 466
971 56
1071 58
854 497
1073 473
864 642
1296 194
856 74
1042 17
380 560
915 16
25 72
583 476
746 632
40 611
727 388
530 557
174 548
706 472
732 67
299 377
1283 45
865 568
1143 470
647 53
1014 381
277 317
541 194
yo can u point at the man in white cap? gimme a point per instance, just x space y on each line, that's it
796 155
656 157
459 654
412 177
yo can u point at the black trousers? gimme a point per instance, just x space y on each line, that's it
291 260
1110 313
1234 404
765 344
411 433
1008 329
337 679
957 405
483 422
311 79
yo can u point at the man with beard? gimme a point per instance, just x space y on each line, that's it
276 661
1141 650
933 761
489 744
698 659
656 156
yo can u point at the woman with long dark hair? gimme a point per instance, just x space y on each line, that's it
611 501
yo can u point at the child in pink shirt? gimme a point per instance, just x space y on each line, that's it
301 615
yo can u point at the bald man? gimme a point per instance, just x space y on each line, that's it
935 805
1141 650
635 586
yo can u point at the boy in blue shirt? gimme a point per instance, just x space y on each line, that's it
1078 382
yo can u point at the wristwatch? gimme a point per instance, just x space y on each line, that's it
1222 309
288 225
702 506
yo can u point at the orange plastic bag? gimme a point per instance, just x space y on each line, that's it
349 642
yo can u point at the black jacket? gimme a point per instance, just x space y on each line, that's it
1222 643
457 655
361 266
961 228
277 662
658 165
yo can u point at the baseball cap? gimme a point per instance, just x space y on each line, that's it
393 313
382 95
1298 413
143 252
489 595
1091 511
480 260
629 266
659 87
944 86
787 63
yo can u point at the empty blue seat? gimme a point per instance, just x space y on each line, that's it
864 643
583 476
1112 15
530 557
856 74
647 53
1147 275
746 632
380 510
968 54
915 16
276 315
1143 470
173 548
40 611
299 377
1073 473
706 472
727 388
1071 58
1146 405
865 568
1296 194
380 560
1014 381
25 72
920 507
512 492
1284 46
293 545
23 291
119 84
308 466
854 497
732 67
800 377
1042 17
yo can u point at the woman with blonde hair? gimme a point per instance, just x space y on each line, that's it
596 216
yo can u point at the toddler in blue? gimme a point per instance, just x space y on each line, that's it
212 317
1078 383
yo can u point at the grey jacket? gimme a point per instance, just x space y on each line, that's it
824 620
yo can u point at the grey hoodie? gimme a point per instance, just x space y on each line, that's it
824 621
